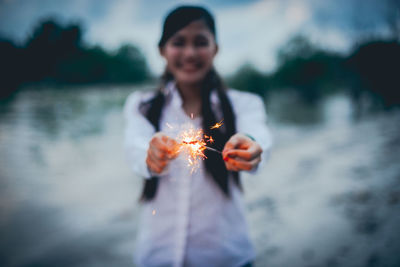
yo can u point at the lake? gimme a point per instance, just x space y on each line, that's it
328 196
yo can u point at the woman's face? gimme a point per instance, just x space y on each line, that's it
190 53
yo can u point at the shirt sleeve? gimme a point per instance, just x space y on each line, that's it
251 119
138 133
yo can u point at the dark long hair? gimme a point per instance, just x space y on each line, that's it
152 110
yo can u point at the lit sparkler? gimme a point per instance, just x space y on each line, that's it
193 142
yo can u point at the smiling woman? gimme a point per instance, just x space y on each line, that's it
193 218
190 53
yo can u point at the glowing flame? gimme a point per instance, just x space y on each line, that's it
210 139
217 125
193 143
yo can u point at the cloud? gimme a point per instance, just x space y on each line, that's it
124 23
297 13
19 17
248 31
253 33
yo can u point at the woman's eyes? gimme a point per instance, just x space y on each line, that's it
201 42
178 43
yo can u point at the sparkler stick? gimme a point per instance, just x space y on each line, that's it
193 142
213 149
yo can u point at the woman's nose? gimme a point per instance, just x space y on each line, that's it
189 51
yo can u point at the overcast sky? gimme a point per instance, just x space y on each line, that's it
247 31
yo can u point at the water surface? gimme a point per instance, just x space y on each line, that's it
329 195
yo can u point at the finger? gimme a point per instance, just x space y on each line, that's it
173 154
152 166
241 165
237 141
158 154
164 138
231 167
161 163
170 146
171 142
239 153
173 148
255 162
232 143
255 149
157 144
245 154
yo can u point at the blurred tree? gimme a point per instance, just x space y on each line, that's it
130 65
87 66
375 66
369 72
297 47
247 78
56 54
304 68
48 46
10 63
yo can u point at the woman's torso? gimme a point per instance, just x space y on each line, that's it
191 222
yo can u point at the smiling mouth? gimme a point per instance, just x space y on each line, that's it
189 67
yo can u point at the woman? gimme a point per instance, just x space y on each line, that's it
193 218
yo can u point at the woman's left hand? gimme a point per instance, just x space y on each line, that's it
241 153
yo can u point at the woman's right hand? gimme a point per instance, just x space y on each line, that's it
162 150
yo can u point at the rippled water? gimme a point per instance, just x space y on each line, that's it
329 195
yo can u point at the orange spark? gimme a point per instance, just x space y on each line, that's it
208 139
192 142
217 125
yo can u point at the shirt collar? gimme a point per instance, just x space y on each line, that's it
172 94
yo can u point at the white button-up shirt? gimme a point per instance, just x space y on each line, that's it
190 222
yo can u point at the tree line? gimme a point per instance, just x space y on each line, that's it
370 72
56 54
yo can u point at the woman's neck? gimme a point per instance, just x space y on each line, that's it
191 98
